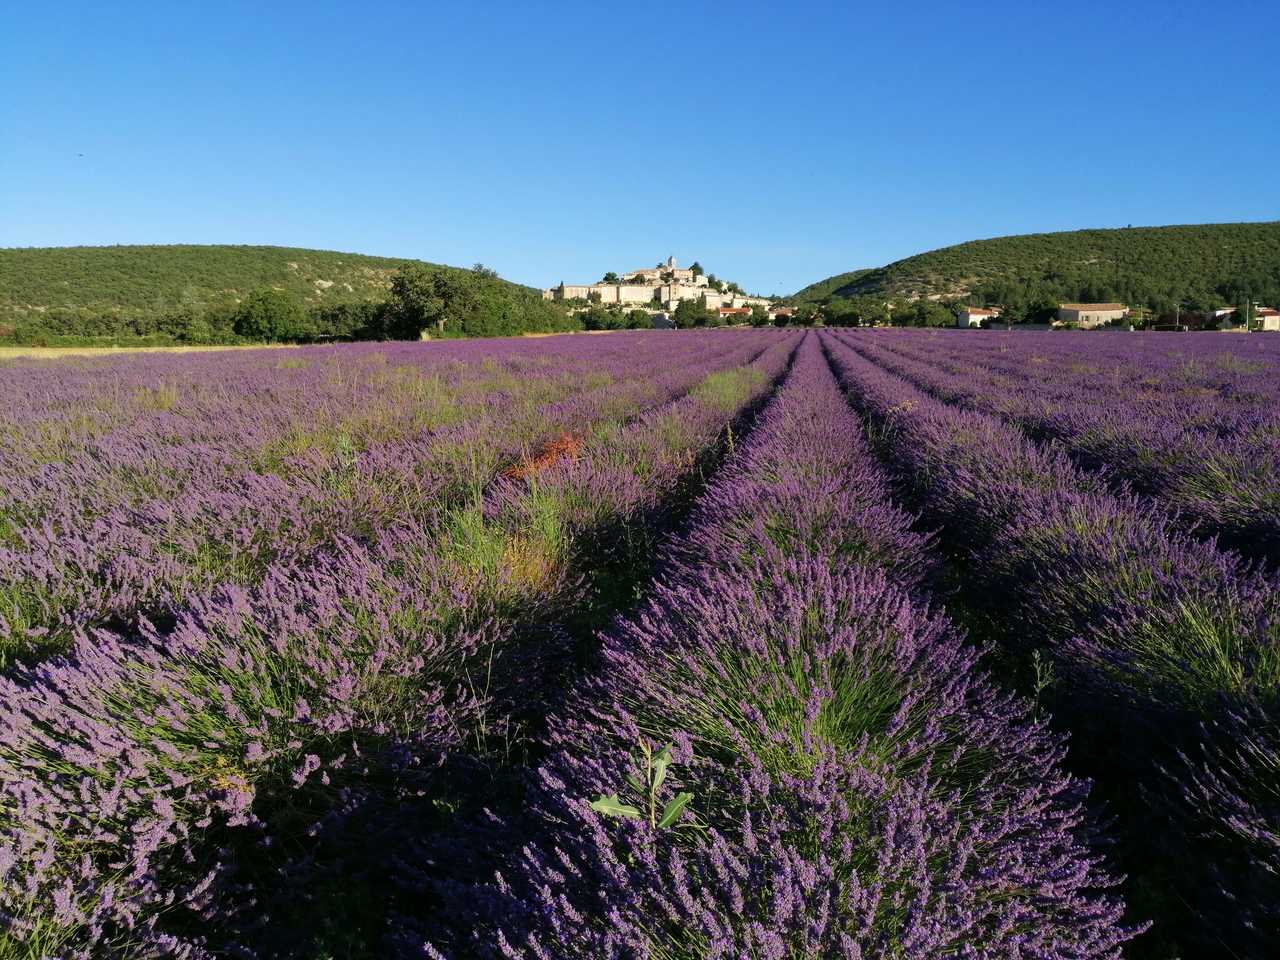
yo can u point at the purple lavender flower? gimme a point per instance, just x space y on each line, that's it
858 787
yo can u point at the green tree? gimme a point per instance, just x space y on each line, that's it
691 313
839 313
639 320
924 313
422 297
488 273
610 277
696 268
805 315
868 311
759 316
1041 309
272 316
598 317
350 321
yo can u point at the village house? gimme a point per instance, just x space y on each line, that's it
976 316
660 273
735 314
1090 315
776 312
665 285
1268 319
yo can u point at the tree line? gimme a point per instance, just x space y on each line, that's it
687 315
438 301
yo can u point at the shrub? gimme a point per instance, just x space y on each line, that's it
271 315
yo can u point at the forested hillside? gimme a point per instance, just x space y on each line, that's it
194 293
1193 267
823 289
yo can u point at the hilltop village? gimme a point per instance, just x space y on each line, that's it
664 286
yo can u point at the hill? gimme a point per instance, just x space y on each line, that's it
826 288
1158 267
132 289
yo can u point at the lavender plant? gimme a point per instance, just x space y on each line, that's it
1196 427
168 786
861 788
72 561
1151 631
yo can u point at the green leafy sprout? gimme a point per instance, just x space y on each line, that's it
655 772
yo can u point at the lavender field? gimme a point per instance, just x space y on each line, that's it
714 644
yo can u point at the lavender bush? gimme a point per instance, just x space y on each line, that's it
841 779
345 651
1197 427
155 781
135 520
1152 632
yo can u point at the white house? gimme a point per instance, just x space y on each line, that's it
1268 319
975 316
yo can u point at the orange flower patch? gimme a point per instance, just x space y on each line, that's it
564 447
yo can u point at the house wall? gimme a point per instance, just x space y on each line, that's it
693 288
1089 319
632 293
608 292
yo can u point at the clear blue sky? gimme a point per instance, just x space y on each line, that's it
775 143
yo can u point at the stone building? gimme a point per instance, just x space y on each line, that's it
659 274
1090 315
665 285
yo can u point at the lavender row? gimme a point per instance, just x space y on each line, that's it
83 425
786 753
1167 650
67 572
1205 440
162 791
